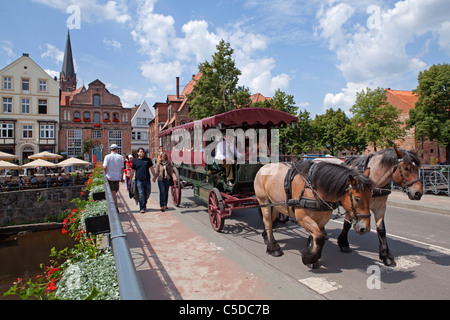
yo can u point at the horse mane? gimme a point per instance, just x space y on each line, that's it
389 157
331 178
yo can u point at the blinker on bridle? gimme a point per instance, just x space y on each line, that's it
355 216
406 184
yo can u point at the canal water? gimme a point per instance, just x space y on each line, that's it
22 254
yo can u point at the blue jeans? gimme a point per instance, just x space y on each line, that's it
163 192
144 189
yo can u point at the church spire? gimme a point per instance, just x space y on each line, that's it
68 77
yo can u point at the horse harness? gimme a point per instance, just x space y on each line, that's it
316 204
376 192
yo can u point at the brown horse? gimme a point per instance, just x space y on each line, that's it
327 183
399 165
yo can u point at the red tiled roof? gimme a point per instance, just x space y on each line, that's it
258 97
403 100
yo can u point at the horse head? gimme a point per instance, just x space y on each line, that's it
356 201
406 173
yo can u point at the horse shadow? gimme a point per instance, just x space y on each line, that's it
293 238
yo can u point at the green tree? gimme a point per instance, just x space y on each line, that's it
431 115
216 91
378 119
331 130
288 137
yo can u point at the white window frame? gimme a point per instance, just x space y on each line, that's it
7 83
25 105
42 85
74 142
7 104
6 130
27 131
47 131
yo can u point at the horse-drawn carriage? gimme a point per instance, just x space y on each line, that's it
306 190
191 148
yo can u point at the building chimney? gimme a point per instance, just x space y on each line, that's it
178 87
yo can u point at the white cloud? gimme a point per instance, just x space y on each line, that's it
130 97
91 11
114 44
53 53
7 47
169 55
379 56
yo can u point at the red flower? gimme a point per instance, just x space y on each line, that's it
51 286
64 231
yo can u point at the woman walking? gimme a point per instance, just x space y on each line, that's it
164 174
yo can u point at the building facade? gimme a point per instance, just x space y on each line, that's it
91 120
29 114
141 117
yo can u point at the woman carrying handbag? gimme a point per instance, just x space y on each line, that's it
164 174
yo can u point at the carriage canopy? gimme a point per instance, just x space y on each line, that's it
239 118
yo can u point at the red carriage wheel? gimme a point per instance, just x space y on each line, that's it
175 190
215 208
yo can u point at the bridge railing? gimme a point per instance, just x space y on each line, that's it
130 286
435 179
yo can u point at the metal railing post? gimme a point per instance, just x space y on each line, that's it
130 286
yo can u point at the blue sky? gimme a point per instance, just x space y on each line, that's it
321 52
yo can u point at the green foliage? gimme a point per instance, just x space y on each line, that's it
331 131
88 271
431 115
216 91
378 118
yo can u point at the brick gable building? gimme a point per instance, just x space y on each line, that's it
91 117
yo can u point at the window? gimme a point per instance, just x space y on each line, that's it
96 101
25 105
96 134
6 130
42 107
115 117
47 131
7 83
27 132
87 116
96 117
106 116
115 136
7 105
42 85
25 85
74 137
76 115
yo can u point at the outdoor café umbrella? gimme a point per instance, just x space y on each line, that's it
72 162
39 163
45 155
7 156
5 165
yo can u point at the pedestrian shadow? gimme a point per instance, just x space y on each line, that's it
154 278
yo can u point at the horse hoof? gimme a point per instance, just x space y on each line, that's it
276 253
314 265
345 249
389 262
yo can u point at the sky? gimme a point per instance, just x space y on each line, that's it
320 52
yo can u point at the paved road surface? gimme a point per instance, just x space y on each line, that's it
179 256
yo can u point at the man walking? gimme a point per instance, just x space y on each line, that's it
113 168
140 170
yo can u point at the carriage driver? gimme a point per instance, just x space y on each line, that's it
226 152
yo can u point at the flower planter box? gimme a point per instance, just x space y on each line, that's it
99 196
97 224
